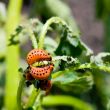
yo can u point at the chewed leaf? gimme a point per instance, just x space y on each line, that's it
14 39
67 59
101 59
70 44
73 81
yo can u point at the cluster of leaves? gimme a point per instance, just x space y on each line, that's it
74 67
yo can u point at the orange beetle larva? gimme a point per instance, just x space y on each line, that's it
36 55
41 73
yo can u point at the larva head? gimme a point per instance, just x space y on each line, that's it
36 55
41 73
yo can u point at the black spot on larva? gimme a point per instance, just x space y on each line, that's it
45 69
40 74
37 74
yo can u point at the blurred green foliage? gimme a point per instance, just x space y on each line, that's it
103 13
79 77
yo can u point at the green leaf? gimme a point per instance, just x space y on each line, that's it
88 51
101 62
50 44
73 81
73 40
101 59
70 44
77 104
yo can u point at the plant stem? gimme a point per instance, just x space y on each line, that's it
21 85
52 20
33 39
66 100
32 36
12 57
32 98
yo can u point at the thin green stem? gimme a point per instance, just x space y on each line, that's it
66 100
45 28
32 98
32 36
19 93
40 98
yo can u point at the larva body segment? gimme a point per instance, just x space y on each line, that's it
41 73
28 76
36 55
45 85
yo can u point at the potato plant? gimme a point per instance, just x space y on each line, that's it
74 64
57 69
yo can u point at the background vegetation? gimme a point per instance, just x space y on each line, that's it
80 83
